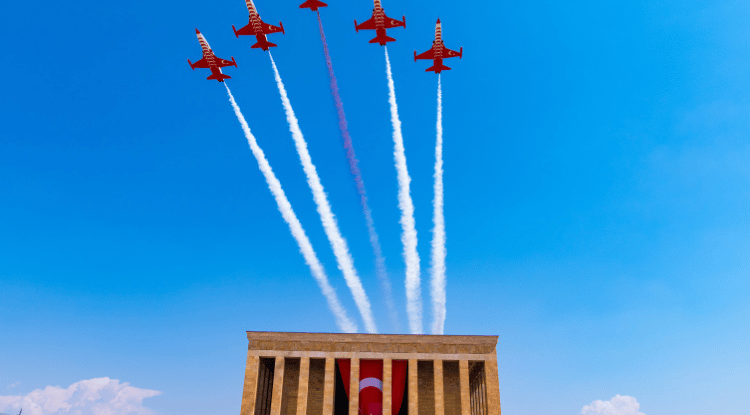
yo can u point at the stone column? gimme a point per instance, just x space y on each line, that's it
328 388
493 386
251 385
413 387
354 387
278 386
387 386
439 391
463 370
304 381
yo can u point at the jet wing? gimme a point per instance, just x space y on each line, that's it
447 53
200 64
430 54
223 62
391 22
248 30
367 25
269 28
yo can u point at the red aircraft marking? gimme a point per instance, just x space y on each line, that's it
312 5
258 28
438 52
211 61
379 22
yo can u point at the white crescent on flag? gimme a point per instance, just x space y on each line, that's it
370 382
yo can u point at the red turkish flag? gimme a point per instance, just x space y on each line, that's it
371 384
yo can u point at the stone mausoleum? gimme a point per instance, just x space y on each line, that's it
370 374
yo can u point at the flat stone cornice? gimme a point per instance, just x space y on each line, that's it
371 343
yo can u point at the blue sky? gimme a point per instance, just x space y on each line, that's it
596 174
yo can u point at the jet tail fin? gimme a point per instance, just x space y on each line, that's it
219 77
437 68
263 45
382 39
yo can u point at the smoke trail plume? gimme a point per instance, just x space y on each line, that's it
342 320
438 232
380 270
339 245
409 232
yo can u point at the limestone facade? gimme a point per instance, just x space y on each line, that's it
296 373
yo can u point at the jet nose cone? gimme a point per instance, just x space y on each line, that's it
438 20
197 32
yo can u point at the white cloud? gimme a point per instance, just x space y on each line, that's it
13 385
619 405
102 396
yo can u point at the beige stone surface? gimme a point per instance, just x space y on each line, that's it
426 379
413 387
316 388
330 379
354 387
300 377
439 391
371 355
493 387
377 343
304 383
251 385
291 386
463 368
451 388
278 386
387 386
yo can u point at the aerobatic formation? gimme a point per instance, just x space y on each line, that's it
380 23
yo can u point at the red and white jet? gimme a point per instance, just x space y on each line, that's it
258 28
380 22
438 52
312 5
210 60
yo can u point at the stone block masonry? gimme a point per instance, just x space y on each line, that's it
298 374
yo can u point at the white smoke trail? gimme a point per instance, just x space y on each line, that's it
438 232
380 269
342 320
339 245
409 232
